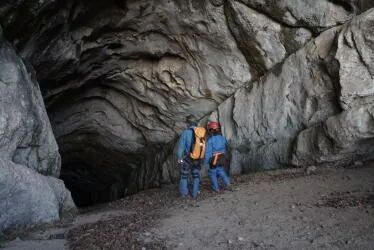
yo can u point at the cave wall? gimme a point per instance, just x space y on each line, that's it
119 78
119 81
313 109
30 191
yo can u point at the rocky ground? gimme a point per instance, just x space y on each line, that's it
284 209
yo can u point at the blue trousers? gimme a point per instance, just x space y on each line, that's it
213 173
183 182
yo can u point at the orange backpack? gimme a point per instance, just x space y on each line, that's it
198 143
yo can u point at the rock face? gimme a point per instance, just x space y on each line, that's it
120 83
119 79
30 191
263 42
347 136
315 15
310 97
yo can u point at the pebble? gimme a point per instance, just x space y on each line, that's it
240 238
17 240
310 170
229 241
147 240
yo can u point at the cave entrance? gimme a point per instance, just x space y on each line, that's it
90 185
96 172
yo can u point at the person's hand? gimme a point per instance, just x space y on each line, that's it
180 161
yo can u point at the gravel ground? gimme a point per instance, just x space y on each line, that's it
284 209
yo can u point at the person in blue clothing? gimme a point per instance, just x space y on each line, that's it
187 164
215 157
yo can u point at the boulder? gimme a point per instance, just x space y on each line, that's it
30 191
309 97
314 15
263 41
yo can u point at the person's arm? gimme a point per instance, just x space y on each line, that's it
182 145
208 152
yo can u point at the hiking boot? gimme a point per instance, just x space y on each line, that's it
184 197
229 188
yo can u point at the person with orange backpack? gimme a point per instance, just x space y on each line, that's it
190 153
215 156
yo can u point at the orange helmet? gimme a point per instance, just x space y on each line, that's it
213 126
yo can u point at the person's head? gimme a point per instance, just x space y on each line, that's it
214 128
191 120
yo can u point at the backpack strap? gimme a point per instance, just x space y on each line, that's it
192 140
215 157
202 151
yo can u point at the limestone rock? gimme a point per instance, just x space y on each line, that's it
119 85
28 198
26 134
339 141
316 15
29 158
119 79
263 41
347 136
355 56
299 100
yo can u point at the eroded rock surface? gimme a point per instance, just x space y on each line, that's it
119 79
348 136
315 15
263 41
30 191
309 97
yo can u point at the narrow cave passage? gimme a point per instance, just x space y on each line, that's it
96 174
90 184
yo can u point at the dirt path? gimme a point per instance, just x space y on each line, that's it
286 209
333 210
48 237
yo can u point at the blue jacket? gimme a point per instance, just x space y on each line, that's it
214 144
184 143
